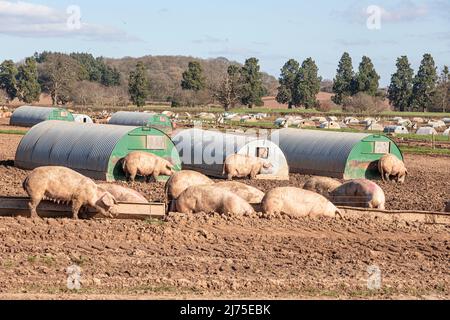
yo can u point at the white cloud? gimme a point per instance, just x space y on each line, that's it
25 19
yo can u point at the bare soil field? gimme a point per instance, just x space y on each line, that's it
212 256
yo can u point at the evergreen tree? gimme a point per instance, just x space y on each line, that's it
8 82
252 85
367 79
443 96
342 86
28 86
286 91
307 85
193 77
424 87
138 85
400 89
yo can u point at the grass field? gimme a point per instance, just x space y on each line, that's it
16 132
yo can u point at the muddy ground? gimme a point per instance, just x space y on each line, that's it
230 257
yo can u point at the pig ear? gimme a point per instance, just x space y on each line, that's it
108 200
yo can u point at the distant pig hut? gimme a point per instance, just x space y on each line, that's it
334 154
142 119
28 116
93 150
82 118
206 152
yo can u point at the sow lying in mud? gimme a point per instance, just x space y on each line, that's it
248 193
123 194
63 185
298 203
322 185
210 199
359 193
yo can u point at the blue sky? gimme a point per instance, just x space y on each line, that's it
273 31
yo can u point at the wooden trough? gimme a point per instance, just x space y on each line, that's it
18 206
425 217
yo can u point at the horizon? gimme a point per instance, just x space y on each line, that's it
383 31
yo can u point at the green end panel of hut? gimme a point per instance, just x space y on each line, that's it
363 159
61 114
144 139
161 122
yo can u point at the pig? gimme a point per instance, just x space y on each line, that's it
390 166
359 193
241 166
322 185
210 199
248 193
63 185
182 180
123 194
298 202
146 165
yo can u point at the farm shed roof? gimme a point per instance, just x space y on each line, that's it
93 150
142 119
335 154
28 116
206 151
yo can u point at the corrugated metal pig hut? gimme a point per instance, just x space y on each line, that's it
206 151
92 150
141 119
28 116
334 154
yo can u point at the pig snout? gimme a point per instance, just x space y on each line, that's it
106 205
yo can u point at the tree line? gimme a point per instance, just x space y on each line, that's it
239 85
83 79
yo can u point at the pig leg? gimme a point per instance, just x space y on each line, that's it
34 203
76 206
155 175
253 174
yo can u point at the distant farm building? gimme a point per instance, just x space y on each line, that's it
28 116
93 150
334 154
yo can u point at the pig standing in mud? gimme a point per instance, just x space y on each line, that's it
298 203
63 185
146 165
210 199
248 193
359 193
322 185
390 166
123 194
241 166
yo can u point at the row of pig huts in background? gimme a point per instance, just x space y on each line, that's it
96 150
